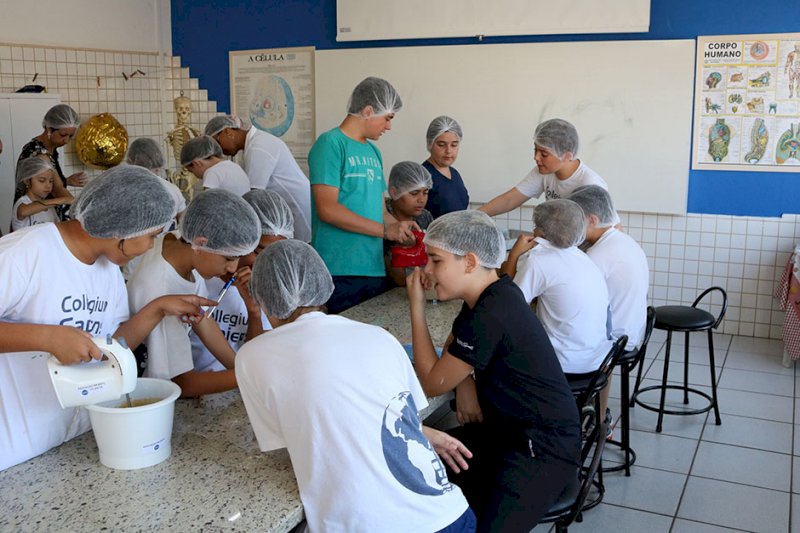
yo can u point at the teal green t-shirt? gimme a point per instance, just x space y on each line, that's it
356 169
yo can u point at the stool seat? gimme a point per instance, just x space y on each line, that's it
581 385
683 318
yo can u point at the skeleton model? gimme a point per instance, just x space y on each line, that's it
792 70
176 138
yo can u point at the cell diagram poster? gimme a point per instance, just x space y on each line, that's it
273 90
747 103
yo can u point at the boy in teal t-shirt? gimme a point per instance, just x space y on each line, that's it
348 215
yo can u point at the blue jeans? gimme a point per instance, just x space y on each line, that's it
466 523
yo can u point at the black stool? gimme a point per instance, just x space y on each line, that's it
686 319
628 362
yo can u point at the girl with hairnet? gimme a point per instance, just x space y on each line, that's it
218 229
145 152
61 285
342 398
526 442
238 315
557 173
409 184
36 206
347 186
202 156
448 192
60 124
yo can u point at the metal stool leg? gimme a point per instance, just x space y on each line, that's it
664 382
636 385
713 376
625 405
686 370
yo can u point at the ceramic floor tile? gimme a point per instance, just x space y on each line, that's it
795 514
750 433
757 382
698 374
734 505
757 362
796 440
796 475
756 405
767 470
756 345
689 526
664 452
613 519
646 490
697 355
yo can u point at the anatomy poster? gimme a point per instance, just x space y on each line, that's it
273 90
747 103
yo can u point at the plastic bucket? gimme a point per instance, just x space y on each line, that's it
136 437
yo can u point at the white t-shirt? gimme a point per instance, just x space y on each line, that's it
48 215
534 184
573 304
41 282
624 265
169 352
227 175
177 196
270 165
343 398
231 316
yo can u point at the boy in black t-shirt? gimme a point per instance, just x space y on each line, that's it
527 447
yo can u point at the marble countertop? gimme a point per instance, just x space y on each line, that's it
215 479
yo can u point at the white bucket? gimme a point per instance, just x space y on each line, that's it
136 437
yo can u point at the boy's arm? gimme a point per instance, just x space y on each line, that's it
511 199
69 345
139 326
212 337
468 409
523 244
254 325
195 383
37 206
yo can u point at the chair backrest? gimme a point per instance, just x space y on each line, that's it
649 324
606 368
598 437
724 303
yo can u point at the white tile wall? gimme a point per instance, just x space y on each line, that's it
143 104
687 254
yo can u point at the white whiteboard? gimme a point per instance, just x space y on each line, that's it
375 20
630 101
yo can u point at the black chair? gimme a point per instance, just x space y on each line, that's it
686 319
627 363
569 506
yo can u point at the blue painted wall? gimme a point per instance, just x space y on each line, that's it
203 31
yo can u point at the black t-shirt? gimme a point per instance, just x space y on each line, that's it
521 387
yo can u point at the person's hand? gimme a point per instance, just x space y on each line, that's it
524 243
402 232
242 285
415 290
468 409
72 345
77 180
186 306
451 450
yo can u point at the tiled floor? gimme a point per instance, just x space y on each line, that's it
696 476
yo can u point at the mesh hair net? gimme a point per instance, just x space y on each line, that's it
408 176
32 166
273 212
199 148
220 222
288 275
558 136
441 125
595 200
145 152
461 232
217 124
124 202
562 222
61 116
377 93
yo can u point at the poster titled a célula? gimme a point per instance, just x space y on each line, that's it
747 103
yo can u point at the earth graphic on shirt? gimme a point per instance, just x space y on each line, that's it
272 106
409 456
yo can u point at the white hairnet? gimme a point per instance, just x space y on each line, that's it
220 222
595 200
217 124
288 275
145 152
61 116
273 212
32 166
124 202
461 232
199 148
375 92
439 125
558 136
561 221
407 176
